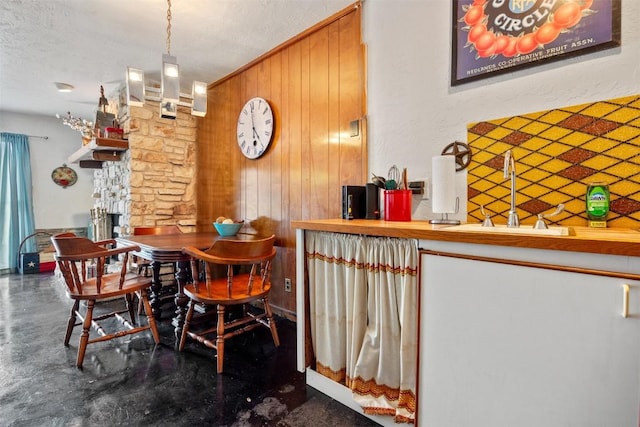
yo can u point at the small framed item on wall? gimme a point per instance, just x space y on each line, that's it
491 37
64 176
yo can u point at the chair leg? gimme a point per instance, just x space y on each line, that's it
71 322
185 327
130 307
146 270
220 338
84 337
140 303
150 318
272 323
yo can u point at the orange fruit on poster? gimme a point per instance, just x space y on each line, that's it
512 48
474 15
487 52
547 33
527 43
485 41
476 32
501 44
567 15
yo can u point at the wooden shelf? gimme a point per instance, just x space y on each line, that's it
99 150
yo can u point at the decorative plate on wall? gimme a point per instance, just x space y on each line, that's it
64 176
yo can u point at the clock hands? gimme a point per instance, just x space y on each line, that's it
256 136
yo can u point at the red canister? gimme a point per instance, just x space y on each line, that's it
397 205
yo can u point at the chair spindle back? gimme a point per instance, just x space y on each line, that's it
257 253
91 258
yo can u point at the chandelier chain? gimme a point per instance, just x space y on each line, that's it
169 27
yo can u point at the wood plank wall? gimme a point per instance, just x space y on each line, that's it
315 84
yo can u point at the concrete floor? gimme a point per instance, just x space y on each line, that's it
132 382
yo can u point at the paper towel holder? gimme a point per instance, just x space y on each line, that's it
444 217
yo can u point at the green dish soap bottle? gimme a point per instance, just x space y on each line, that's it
597 200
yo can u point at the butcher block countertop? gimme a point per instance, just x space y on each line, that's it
612 241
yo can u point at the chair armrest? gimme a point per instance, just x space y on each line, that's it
106 242
197 253
98 254
122 249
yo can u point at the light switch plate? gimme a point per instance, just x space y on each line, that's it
427 189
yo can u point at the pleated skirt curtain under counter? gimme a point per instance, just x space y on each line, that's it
363 295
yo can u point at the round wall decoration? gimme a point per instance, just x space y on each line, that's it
64 176
462 153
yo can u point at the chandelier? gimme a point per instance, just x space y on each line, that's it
169 94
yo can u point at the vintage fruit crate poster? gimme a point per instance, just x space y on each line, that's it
496 36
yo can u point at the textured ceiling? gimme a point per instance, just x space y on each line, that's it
88 43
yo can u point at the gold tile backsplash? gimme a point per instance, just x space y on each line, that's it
557 153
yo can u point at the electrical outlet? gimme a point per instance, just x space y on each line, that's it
287 285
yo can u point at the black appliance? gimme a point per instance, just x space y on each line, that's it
353 201
360 201
372 205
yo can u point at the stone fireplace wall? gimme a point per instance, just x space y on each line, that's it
153 183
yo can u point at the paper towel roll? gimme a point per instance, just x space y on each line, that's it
444 184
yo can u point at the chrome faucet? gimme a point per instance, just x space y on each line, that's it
510 170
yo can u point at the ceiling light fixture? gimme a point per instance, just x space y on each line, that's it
169 94
64 87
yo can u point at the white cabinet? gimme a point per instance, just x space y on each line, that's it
511 345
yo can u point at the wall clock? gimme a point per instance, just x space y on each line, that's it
255 128
64 176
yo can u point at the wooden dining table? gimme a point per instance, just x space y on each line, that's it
167 248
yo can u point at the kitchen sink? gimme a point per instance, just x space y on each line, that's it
503 229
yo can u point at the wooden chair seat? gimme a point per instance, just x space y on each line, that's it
218 292
83 264
235 289
110 286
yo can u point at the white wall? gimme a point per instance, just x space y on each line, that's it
54 206
414 112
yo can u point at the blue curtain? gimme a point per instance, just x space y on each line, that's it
16 200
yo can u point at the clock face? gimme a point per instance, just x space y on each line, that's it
255 128
64 176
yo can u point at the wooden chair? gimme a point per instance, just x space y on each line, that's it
166 272
239 289
83 264
144 265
